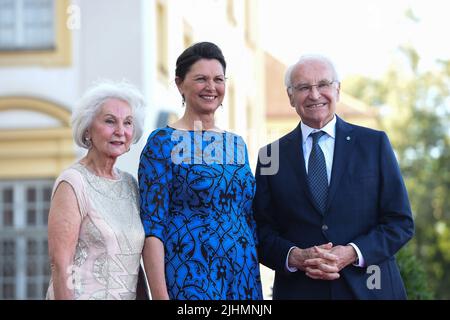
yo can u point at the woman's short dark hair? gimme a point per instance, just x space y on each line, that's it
201 50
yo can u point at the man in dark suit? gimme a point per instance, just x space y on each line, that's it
335 210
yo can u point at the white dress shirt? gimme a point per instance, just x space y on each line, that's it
326 143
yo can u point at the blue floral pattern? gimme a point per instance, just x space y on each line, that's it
201 209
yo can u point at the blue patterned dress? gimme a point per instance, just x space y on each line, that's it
196 190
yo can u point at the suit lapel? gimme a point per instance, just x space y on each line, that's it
343 146
294 151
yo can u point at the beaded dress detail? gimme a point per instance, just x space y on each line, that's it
107 257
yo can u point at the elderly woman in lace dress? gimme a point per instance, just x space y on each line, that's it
95 235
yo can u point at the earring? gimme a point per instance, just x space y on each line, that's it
87 142
183 101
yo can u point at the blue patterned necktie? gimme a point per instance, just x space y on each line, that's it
317 173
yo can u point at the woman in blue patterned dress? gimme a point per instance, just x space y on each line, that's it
196 190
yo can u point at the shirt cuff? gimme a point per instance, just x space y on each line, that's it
290 269
360 261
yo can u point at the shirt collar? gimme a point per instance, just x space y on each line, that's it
330 129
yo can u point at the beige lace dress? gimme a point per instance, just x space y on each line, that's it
111 238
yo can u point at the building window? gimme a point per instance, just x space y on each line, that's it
24 264
250 22
187 35
27 25
161 32
231 12
35 32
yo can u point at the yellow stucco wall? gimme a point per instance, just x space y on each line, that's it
35 153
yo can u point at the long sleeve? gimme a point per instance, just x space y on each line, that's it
155 177
396 226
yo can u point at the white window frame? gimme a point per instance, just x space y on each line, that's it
20 233
19 30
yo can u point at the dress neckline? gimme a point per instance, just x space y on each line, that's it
203 131
90 172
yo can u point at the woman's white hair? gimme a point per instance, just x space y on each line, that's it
303 59
94 98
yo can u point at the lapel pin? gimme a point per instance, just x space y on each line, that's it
348 138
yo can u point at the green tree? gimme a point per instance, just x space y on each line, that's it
414 275
415 112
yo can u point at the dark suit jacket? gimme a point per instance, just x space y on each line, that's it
367 205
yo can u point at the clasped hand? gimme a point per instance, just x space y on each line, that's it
322 262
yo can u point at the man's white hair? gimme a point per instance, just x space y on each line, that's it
306 58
